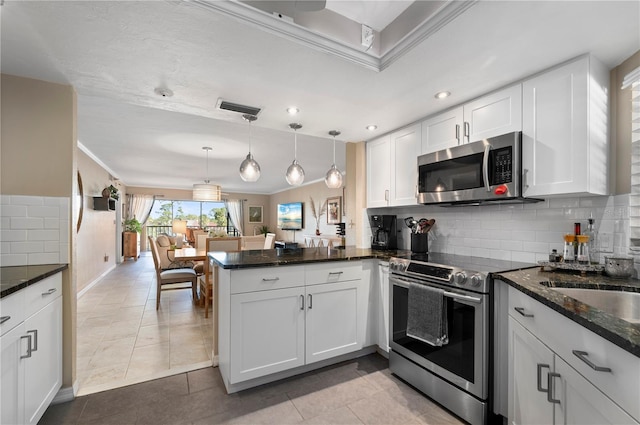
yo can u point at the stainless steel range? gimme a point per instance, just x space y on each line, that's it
455 374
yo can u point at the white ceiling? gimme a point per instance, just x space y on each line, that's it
116 53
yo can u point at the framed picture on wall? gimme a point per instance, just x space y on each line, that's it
255 214
334 210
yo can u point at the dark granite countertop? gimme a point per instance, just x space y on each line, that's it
537 283
281 257
15 278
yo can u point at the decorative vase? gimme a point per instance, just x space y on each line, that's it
106 192
317 232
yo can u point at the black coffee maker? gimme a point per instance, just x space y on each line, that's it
383 232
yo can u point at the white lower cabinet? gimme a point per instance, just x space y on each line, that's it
550 384
263 332
32 354
381 285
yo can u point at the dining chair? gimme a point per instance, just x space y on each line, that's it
208 282
171 276
269 241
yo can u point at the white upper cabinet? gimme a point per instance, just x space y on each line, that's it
442 131
378 172
488 116
494 114
564 139
392 168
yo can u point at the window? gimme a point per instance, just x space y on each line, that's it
211 216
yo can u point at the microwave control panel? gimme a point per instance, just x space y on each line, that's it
501 166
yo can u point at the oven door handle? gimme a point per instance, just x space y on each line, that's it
485 167
462 297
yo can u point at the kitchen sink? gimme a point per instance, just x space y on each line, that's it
624 305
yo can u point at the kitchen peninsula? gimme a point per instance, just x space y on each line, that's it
285 312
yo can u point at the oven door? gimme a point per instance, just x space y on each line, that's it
463 361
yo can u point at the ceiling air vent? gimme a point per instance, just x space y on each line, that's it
236 107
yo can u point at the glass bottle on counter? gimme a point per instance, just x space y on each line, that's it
593 243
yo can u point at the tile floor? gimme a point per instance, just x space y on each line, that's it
122 339
360 391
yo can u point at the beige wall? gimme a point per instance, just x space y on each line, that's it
38 158
356 194
620 113
97 235
319 192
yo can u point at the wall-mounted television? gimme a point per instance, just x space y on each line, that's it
290 216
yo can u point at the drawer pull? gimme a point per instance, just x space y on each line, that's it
521 311
49 292
302 302
271 279
35 339
550 377
335 273
582 355
310 301
4 319
26 356
540 366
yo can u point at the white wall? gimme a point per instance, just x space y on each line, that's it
523 232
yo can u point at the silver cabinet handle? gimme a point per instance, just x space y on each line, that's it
467 131
525 183
582 355
521 311
272 279
26 356
302 302
4 319
49 292
550 377
335 273
386 195
310 301
458 133
540 367
35 339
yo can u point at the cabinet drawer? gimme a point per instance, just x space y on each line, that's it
564 336
266 278
12 311
42 293
333 271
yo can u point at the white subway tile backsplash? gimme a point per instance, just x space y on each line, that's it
34 230
27 223
27 247
564 202
523 256
43 235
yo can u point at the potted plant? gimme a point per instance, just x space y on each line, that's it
317 214
263 230
132 225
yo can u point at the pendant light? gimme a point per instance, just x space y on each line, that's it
295 173
206 191
333 179
249 168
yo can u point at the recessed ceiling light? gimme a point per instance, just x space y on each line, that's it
292 110
372 127
442 94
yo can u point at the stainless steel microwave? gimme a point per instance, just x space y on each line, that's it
489 170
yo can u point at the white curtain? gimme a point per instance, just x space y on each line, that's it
139 207
236 212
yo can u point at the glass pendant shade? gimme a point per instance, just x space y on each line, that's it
206 191
295 172
249 168
333 179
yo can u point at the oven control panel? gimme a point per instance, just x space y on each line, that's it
446 275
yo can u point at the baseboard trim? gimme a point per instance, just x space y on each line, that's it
64 395
96 280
